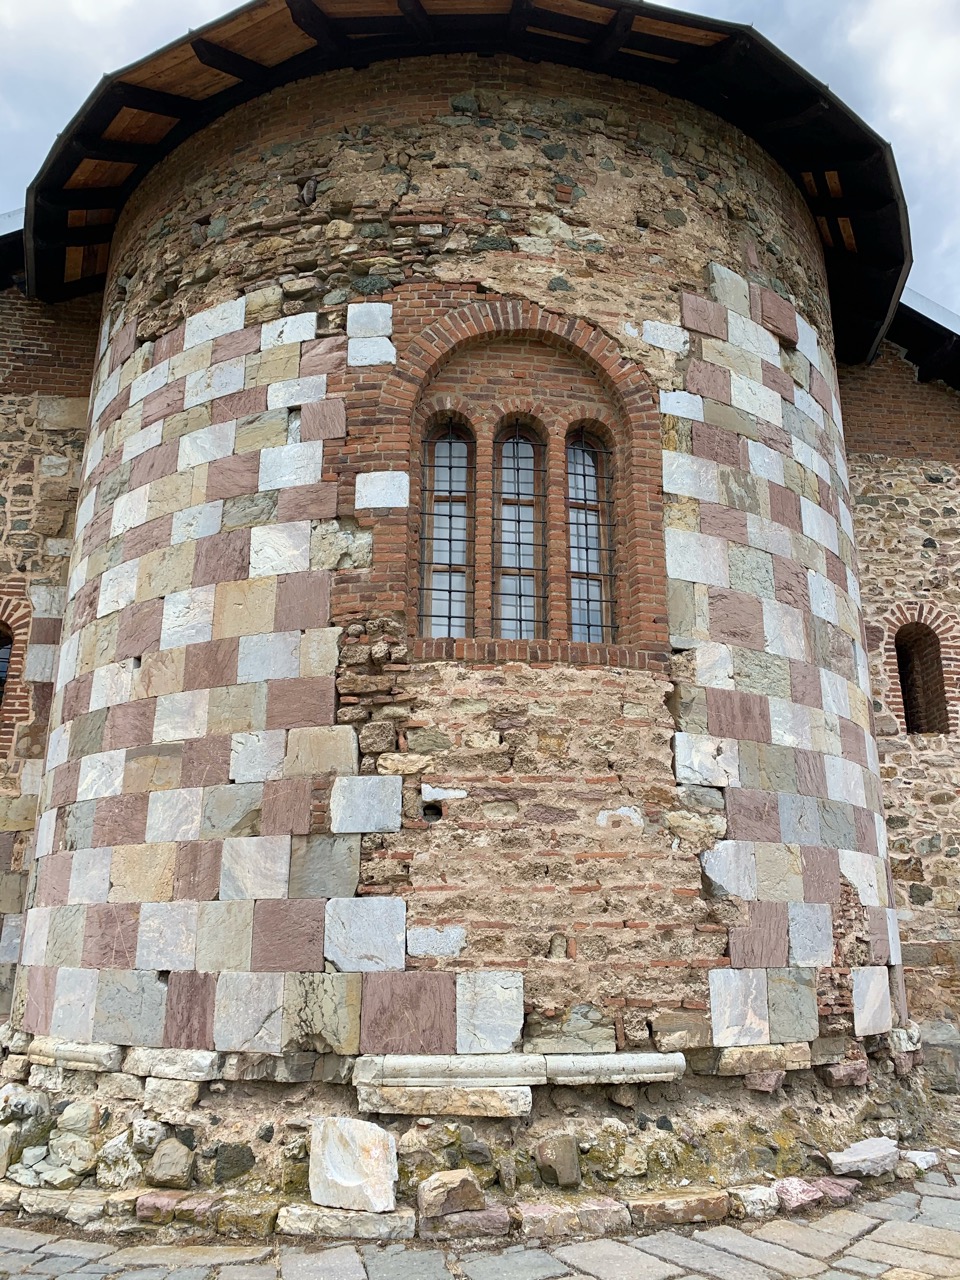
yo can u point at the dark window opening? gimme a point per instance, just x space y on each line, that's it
6 648
519 538
921 679
590 534
447 537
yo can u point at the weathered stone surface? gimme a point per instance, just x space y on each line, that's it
489 1011
837 1190
558 1160
840 1075
764 1081
365 804
353 1165
449 1191
492 1221
309 1220
869 1157
364 935
117 1166
753 1202
441 1070
794 1193
171 1165
872 1014
693 1204
173 1064
170 1098
451 1099
321 1012
613 1068
582 1029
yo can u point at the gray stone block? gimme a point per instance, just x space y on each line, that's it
811 934
366 804
489 1011
130 1007
249 1012
738 1006
74 1001
365 935
792 1002
324 866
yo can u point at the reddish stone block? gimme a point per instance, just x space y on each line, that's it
45 630
205 762
139 629
724 522
171 344
120 820
805 684
712 381
716 443
163 402
212 664
286 807
308 502
110 936
76 695
233 477
777 380
97 531
288 935
811 773
242 342
752 815
763 942
778 315
820 390
853 742
841 1075
189 1019
866 829
323 355
53 879
153 536
732 713
223 557
158 1206
242 404
323 419
790 583
130 724
303 601
123 345
702 315
877 935
154 464
735 618
196 874
836 570
409 1012
785 507
65 779
298 704
38 1005
821 874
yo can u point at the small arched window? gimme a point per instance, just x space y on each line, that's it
6 648
590 535
447 537
519 543
921 679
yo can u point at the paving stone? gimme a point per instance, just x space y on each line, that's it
882 1211
396 1262
266 1271
910 1259
24 1241
694 1256
340 1263
927 1239
938 1213
846 1224
786 1261
807 1240
861 1267
78 1248
610 1260
514 1264
926 1188
188 1255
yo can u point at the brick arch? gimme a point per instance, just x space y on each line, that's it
946 626
625 407
15 615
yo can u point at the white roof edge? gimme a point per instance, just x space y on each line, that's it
12 221
932 310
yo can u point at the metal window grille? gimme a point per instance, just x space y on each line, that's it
519 537
447 538
590 534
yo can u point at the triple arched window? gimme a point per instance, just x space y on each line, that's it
509 546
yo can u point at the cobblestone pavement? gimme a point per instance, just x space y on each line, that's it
911 1235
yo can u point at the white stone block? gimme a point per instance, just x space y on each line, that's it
223 379
805 402
108 391
181 715
289 465
861 870
10 935
823 597
705 761
682 404
274 656
90 876
94 455
429 1071
450 1100
738 1007
365 935
366 352
834 693
228 317
893 936
729 289
714 665
174 815
296 391
40 663
448 940
366 804
172 1064
129 510
353 1165
811 459
730 868
254 867
187 617
77 577
369 320
697 557
74 998
382 489
206 445
756 399
101 775
691 477
58 745
790 724
249 1012
111 684
141 441
167 937
784 630
35 932
148 382
298 328
489 1011
85 511
811 934
845 781
279 548
613 1068
118 587
807 342
669 337
872 1012
765 462
868 1158
201 521
46 828
257 756
743 332
47 601
768 535
819 525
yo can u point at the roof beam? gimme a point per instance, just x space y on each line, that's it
317 25
610 42
82 198
230 63
769 125
101 233
418 18
112 151
155 102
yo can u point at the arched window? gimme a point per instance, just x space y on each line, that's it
519 550
921 679
6 648
590 535
447 537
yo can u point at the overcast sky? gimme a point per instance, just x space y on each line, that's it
894 61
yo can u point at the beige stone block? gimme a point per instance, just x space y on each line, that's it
278 364
244 608
736 359
170 493
325 749
142 872
403 762
224 936
409 1100
155 768
319 652
198 490
191 361
186 422
264 304
237 708
166 570
98 643
779 873
262 431
321 1012
159 672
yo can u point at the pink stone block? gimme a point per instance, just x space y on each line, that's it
307 502
171 344
65 779
702 315
752 815
163 402
233 477
196 874
286 807
205 762
240 404
152 536
820 390
38 1006
323 420
778 315
733 713
120 820
123 345
222 557
212 664
130 724
866 829
724 522
712 381
777 380
811 773
323 355
717 444
154 464
763 942
785 507
110 937
242 342
288 935
53 880
735 618
408 1012
189 1017
790 583
299 704
303 601
821 874
794 1193
805 685
139 629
